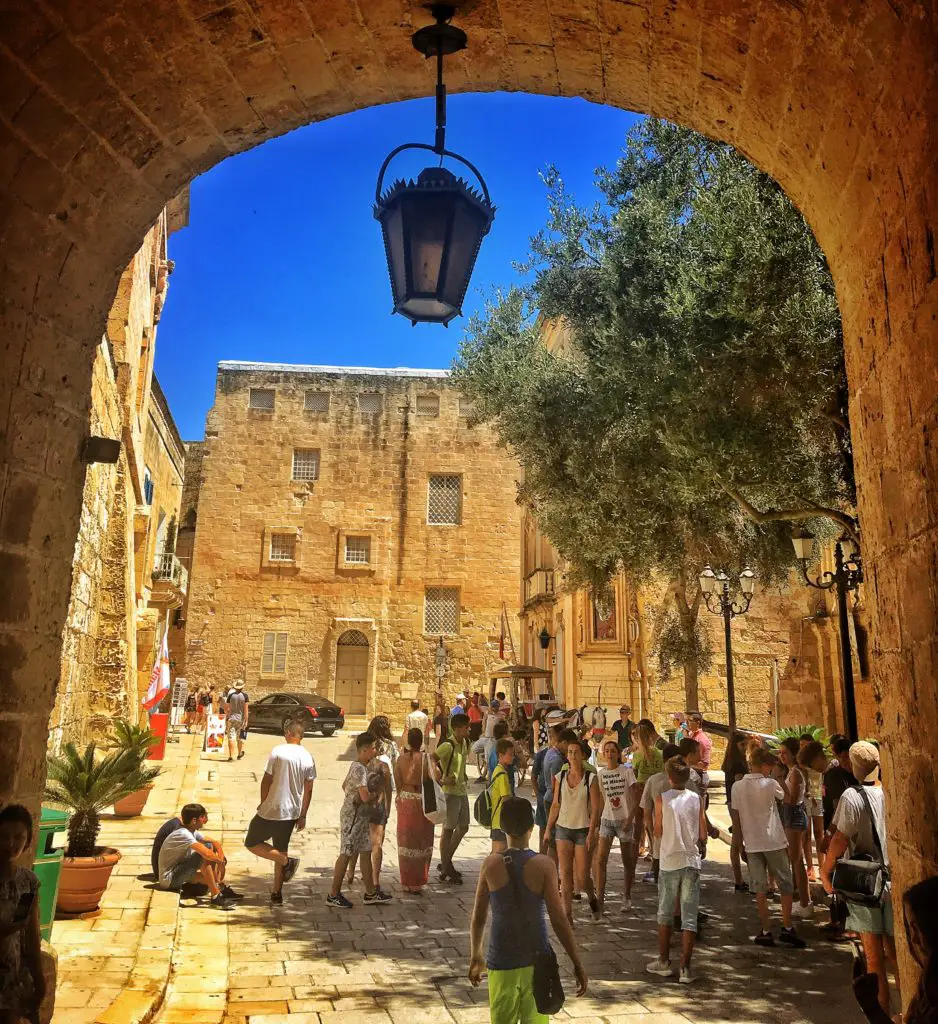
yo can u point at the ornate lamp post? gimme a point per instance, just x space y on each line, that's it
433 227
720 599
847 576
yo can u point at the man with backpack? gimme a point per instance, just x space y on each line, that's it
450 757
500 789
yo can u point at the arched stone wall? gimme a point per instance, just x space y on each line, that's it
107 107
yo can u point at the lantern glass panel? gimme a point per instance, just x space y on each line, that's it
468 227
392 223
428 219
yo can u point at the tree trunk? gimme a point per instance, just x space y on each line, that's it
687 613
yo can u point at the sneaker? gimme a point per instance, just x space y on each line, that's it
764 939
276 898
290 868
741 887
659 967
341 902
221 900
686 978
231 894
626 906
803 912
377 897
378 889
649 876
240 755
791 938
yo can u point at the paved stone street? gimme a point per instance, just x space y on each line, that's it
306 963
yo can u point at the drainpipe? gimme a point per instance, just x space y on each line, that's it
775 693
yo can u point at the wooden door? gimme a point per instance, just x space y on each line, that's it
351 678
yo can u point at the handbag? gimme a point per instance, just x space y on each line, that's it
863 879
433 797
548 990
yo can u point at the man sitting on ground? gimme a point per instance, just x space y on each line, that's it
188 855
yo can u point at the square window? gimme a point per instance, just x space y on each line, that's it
428 405
316 401
261 398
283 547
371 403
467 408
444 499
441 611
274 656
305 463
358 550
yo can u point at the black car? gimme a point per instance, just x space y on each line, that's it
316 713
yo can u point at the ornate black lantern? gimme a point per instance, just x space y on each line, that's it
433 226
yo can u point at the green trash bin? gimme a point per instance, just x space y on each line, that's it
48 864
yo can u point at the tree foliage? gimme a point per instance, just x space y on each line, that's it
699 405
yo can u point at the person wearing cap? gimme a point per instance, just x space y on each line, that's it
623 728
237 712
860 819
460 706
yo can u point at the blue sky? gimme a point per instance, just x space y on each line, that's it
283 261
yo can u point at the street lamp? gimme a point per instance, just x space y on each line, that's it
720 599
846 577
433 227
544 638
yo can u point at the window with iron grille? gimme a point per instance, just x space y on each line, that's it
428 405
305 463
444 499
316 401
371 403
261 398
358 550
441 611
467 407
274 657
283 547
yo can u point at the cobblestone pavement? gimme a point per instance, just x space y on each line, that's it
305 963
406 962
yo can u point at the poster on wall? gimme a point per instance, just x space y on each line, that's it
178 705
215 737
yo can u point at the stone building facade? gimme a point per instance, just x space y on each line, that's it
347 519
123 578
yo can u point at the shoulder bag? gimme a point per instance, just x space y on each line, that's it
548 990
434 799
863 879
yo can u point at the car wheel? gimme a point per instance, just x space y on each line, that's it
328 730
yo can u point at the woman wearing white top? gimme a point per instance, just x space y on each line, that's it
620 791
574 822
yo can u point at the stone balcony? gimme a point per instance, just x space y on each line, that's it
170 582
539 585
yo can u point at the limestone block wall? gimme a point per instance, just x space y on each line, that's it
372 482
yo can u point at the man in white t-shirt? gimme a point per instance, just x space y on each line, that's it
620 792
286 790
416 719
659 783
682 829
754 798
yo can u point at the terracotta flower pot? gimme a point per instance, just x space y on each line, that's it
84 879
131 806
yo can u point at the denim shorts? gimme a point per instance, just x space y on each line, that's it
875 920
760 863
577 836
794 817
185 870
616 830
683 884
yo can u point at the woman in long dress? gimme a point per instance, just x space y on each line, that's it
414 831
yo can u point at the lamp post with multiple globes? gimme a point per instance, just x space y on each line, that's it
728 599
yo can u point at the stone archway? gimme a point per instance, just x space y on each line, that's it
109 108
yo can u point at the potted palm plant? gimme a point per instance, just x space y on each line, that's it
84 784
135 741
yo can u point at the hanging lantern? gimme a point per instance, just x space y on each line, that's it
433 227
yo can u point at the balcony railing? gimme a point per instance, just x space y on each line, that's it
540 583
169 569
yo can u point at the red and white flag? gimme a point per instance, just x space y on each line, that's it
159 677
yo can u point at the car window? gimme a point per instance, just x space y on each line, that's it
284 699
264 700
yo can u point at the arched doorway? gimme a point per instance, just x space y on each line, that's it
112 107
351 672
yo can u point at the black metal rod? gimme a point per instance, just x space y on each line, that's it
730 681
846 651
440 140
